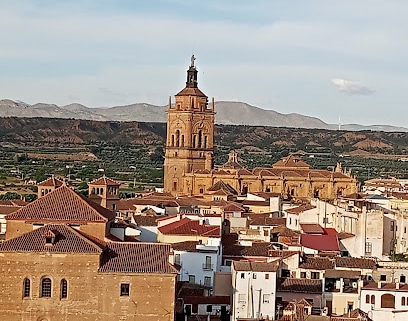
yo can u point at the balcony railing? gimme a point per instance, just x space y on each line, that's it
208 267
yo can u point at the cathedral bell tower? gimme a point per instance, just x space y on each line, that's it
190 134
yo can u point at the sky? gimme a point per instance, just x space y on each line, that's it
335 60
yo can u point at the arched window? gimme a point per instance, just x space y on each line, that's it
205 141
172 140
387 301
373 299
26 288
182 140
194 141
64 289
46 287
177 138
200 139
403 300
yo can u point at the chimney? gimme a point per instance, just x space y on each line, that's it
397 285
379 284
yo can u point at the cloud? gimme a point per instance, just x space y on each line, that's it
352 87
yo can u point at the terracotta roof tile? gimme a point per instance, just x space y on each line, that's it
300 285
312 228
354 262
300 209
233 207
190 227
63 204
317 263
256 266
51 182
146 220
191 91
320 242
137 258
188 246
67 240
104 181
291 162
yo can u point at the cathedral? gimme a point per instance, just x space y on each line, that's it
189 167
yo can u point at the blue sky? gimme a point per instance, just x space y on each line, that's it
321 58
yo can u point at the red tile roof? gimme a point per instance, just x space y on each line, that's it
300 209
300 285
137 258
51 182
190 227
104 181
256 266
354 262
146 220
403 287
64 205
320 242
317 263
188 246
312 228
68 240
233 207
291 162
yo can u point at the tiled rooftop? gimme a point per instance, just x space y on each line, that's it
190 227
137 258
65 205
317 263
51 182
300 285
256 266
68 240
104 181
320 242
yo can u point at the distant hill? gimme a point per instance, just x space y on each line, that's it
76 132
227 112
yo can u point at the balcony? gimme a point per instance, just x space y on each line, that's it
208 267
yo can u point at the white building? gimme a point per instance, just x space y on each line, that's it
198 262
254 289
385 301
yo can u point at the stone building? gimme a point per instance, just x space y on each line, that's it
189 169
59 262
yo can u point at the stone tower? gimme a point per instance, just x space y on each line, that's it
105 192
190 135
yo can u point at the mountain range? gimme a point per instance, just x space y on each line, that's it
227 113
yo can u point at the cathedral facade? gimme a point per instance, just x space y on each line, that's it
189 168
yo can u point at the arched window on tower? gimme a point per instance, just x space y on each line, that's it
205 141
177 138
172 140
200 139
194 140
182 140
64 289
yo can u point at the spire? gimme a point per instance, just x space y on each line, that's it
192 75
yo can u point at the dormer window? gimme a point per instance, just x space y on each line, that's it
50 237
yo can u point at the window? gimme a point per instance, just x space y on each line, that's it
26 288
373 299
191 279
392 224
64 289
46 287
242 298
242 275
383 277
387 301
266 276
207 281
177 259
403 300
402 278
314 275
124 289
350 306
368 248
254 275
367 298
265 298
285 273
303 275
